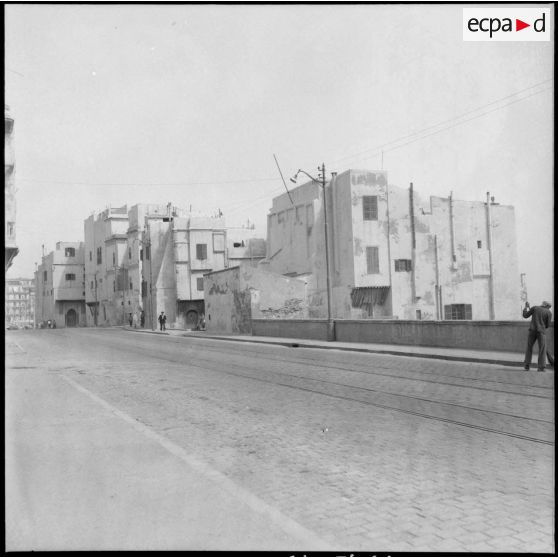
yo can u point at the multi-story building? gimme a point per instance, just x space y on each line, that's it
392 254
106 250
60 286
114 259
178 250
20 302
11 249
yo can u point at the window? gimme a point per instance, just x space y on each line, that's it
70 252
70 276
90 256
113 258
419 314
141 254
44 275
129 253
201 251
281 217
91 285
131 285
370 208
218 242
114 286
11 228
372 260
458 312
403 265
8 125
199 282
143 289
479 243
147 252
99 256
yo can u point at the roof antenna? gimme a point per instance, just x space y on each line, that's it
279 168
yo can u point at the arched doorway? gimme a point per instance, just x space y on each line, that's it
191 319
71 318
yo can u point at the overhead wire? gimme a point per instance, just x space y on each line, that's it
377 149
421 137
369 153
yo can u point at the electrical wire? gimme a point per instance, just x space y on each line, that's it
380 147
197 183
421 137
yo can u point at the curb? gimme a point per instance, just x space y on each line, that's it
305 345
138 330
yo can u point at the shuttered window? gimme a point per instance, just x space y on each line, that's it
370 208
458 312
201 251
372 260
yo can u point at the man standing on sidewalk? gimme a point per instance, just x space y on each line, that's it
541 317
162 321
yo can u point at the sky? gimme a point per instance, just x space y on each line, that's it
124 104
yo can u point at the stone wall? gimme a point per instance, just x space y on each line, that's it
459 334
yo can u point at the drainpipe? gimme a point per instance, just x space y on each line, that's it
452 234
490 259
413 243
334 229
190 261
389 246
437 289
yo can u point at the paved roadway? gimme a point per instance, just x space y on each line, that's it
125 440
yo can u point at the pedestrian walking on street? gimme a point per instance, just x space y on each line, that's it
135 320
162 321
541 317
130 319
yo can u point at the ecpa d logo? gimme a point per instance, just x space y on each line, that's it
506 24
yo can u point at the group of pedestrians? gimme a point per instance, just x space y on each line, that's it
134 320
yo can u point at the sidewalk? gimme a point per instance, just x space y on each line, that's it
501 358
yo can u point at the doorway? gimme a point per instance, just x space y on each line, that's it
71 318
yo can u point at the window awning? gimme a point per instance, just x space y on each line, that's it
368 295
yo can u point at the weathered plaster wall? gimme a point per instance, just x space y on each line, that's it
236 295
273 295
220 303
466 279
507 291
105 282
291 229
163 271
188 232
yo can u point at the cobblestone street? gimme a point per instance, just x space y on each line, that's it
344 451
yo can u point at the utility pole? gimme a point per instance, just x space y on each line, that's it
491 312
322 183
330 322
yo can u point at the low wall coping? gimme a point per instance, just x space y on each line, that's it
493 323
296 320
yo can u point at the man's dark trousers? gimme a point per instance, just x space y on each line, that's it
540 338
